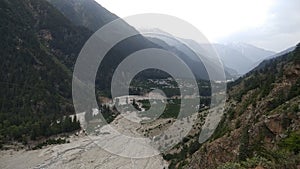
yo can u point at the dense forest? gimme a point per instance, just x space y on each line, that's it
38 49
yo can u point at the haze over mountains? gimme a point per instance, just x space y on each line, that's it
238 58
40 42
85 13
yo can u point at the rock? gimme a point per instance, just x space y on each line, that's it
274 124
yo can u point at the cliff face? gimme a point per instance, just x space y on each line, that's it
261 127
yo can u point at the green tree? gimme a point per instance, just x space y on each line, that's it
244 145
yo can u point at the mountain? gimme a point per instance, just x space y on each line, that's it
87 13
261 64
38 53
186 55
91 13
240 56
237 58
261 124
282 52
250 51
38 49
184 48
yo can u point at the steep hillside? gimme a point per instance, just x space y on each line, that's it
38 46
90 14
261 126
87 13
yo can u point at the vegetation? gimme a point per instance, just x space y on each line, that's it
260 121
221 129
50 142
187 148
265 75
180 158
291 143
38 50
283 160
172 109
244 151
252 89
248 163
38 47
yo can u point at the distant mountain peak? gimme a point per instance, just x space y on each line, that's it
242 56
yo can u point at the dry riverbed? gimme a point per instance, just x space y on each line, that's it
80 153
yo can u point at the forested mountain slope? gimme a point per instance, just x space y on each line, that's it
261 126
87 13
38 47
93 16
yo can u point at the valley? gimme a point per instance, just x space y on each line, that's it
246 118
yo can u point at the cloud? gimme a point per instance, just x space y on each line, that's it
280 31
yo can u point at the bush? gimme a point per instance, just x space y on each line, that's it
50 142
244 145
249 163
257 161
231 165
195 146
291 143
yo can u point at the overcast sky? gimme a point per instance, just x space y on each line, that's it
270 24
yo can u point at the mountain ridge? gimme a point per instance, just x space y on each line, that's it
87 13
261 124
38 45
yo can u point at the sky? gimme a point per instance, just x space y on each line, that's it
270 24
